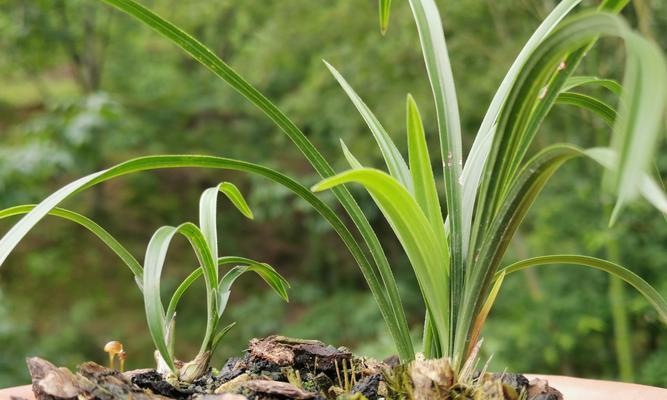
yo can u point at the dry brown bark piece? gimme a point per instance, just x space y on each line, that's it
271 350
50 382
104 383
298 353
92 381
539 389
135 372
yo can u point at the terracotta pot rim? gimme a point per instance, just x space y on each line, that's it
574 388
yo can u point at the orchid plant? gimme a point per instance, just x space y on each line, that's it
455 240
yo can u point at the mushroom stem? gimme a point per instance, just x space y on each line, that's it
122 356
111 360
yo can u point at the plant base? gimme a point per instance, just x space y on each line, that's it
285 368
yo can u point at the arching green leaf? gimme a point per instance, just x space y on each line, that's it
578 81
208 208
653 297
270 276
156 253
429 258
93 227
599 107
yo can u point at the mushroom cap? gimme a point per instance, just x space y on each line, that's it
114 347
122 355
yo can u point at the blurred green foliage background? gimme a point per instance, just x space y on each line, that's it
83 87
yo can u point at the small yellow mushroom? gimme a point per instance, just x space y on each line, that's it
122 356
114 347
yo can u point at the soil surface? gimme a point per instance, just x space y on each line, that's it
281 368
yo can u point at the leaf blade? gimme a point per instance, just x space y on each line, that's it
439 71
19 230
208 208
590 103
385 8
265 271
477 158
154 260
651 295
425 191
392 156
130 261
578 81
410 225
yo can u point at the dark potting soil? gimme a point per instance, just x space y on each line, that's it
281 368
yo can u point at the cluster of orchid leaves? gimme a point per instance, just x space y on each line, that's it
457 263
457 255
204 241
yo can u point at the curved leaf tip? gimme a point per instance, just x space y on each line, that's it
236 198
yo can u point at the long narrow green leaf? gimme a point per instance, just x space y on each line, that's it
521 118
477 158
416 134
208 208
653 297
385 8
270 276
597 106
439 70
642 108
393 158
180 291
425 191
221 334
650 189
430 340
484 312
196 274
427 256
529 183
578 81
93 227
563 73
18 231
156 253
547 97
419 152
385 292
351 159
